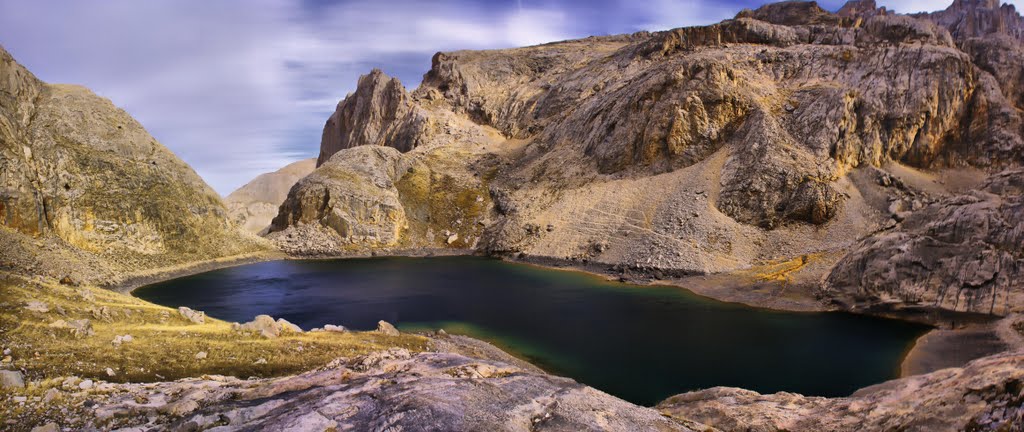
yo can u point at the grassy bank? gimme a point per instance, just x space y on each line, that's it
55 330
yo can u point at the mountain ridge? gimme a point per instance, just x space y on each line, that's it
786 132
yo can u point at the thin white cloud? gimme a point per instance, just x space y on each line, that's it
227 85
241 87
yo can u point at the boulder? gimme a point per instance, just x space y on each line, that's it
49 427
983 395
264 325
195 316
284 325
79 328
961 253
335 328
121 339
387 329
11 379
401 390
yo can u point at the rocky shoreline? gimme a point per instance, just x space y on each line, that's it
955 340
363 392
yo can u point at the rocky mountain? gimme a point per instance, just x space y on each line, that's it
858 160
365 196
843 141
255 204
968 19
88 195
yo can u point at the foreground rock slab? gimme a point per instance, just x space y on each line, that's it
985 395
388 390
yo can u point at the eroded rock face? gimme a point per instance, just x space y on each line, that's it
375 197
985 395
380 111
353 195
392 390
695 150
83 177
254 205
962 253
968 19
993 35
861 9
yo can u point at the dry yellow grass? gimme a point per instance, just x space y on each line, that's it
164 344
782 270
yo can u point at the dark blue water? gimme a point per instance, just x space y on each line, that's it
641 343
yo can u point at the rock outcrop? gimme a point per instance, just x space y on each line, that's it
696 150
255 204
961 253
86 193
447 390
380 111
376 197
967 19
388 390
993 34
355 198
985 395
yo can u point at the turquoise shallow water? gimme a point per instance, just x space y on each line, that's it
641 343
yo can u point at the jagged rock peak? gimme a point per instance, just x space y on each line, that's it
379 112
968 19
792 13
861 9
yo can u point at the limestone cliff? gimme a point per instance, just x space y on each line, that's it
962 253
378 112
373 197
255 204
968 19
774 135
87 193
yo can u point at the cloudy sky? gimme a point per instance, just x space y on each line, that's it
241 87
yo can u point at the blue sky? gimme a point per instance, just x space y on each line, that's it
237 88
